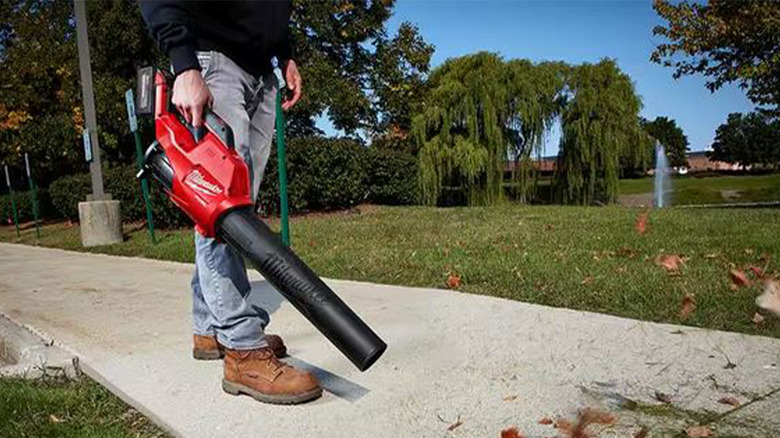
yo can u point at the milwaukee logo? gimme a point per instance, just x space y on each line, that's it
198 182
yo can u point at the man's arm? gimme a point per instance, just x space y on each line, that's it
168 23
290 69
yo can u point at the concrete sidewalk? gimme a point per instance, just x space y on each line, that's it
486 362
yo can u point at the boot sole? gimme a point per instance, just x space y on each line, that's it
219 354
238 389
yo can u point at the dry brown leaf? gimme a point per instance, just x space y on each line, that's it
642 432
758 318
546 421
587 417
453 280
587 280
739 278
55 419
770 299
729 401
663 398
749 251
512 432
687 306
455 425
510 398
641 223
627 252
699 432
670 262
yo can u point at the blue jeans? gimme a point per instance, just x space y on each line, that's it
220 286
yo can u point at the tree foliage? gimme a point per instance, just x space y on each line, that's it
600 125
748 139
671 136
726 41
480 112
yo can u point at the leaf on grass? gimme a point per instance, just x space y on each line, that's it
587 417
546 421
739 278
699 432
512 432
549 227
641 223
687 306
670 262
453 280
663 398
510 398
729 401
55 419
455 425
587 280
642 432
758 318
770 299
758 272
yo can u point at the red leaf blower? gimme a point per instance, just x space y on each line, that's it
206 178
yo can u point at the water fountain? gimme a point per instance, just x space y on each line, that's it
661 182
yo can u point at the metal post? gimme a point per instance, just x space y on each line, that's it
13 200
139 155
33 196
280 152
88 97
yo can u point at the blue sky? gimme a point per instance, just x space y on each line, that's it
575 32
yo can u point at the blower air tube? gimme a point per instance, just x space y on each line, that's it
246 233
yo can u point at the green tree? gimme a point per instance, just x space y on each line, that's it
600 126
479 114
748 140
671 136
726 41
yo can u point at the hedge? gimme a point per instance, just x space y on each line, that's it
24 206
323 174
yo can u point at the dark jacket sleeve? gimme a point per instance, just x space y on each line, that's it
169 23
285 50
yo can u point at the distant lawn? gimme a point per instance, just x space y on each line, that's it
64 408
690 190
585 258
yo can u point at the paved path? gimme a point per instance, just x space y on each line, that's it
489 362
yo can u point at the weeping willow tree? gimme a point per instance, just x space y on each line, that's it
600 126
480 114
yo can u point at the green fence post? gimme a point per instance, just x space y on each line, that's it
13 200
280 152
139 156
33 196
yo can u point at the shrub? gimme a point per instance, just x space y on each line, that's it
393 177
24 206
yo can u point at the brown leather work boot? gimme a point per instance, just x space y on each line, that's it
259 374
208 348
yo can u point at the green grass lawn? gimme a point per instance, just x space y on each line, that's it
587 258
689 190
67 408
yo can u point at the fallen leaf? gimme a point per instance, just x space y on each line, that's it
455 425
687 306
642 432
510 398
625 251
713 255
739 278
758 318
587 417
663 398
729 401
698 432
641 223
549 227
55 419
758 272
546 421
749 251
512 432
445 251
770 299
587 280
670 262
453 280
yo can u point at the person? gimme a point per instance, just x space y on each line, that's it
221 55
